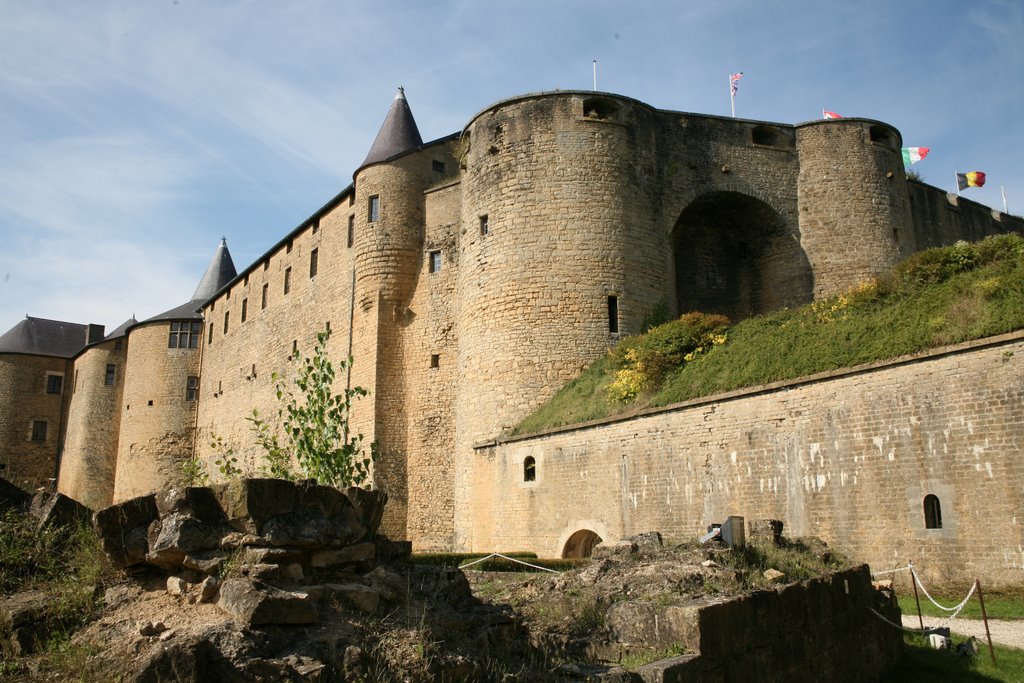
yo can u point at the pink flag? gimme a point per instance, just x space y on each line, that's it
734 80
830 115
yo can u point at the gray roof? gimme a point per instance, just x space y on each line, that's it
397 134
122 329
42 337
220 272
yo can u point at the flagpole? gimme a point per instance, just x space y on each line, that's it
823 113
1003 191
595 74
732 97
956 181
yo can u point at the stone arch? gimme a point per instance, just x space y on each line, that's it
580 544
735 254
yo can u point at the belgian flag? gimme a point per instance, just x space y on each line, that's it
972 179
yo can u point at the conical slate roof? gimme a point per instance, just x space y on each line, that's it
122 329
220 272
397 134
42 337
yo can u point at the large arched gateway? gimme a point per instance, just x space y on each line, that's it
734 254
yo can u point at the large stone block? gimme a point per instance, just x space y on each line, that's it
175 536
369 504
256 604
197 502
123 529
249 503
58 510
12 497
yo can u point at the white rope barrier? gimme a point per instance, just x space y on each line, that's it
505 557
955 610
890 571
901 627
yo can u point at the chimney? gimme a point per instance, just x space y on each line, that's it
94 334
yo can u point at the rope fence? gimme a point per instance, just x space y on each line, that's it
505 557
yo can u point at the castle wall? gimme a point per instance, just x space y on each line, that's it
854 203
940 219
238 366
30 463
157 422
848 456
88 460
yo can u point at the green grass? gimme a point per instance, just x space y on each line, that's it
934 298
923 664
1004 604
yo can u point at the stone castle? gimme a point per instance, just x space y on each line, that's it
470 278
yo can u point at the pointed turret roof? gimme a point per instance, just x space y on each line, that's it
397 134
220 272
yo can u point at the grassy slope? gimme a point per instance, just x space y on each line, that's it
938 297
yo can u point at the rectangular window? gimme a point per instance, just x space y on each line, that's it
315 226
266 265
210 340
435 262
108 379
226 316
313 257
435 361
263 297
184 334
374 212
192 389
54 384
39 430
613 314
438 166
485 227
245 309
287 280
351 231
288 248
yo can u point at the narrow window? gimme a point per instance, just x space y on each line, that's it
117 345
226 315
245 282
210 340
315 226
485 227
435 361
263 297
295 346
435 262
54 384
613 314
352 198
288 248
195 332
245 309
932 512
313 257
108 379
529 469
192 389
374 212
287 280
438 166
228 297
172 341
351 231
266 264
39 430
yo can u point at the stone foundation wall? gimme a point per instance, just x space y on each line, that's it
30 462
847 456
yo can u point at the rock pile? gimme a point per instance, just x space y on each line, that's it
230 542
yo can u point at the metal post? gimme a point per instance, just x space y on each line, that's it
984 617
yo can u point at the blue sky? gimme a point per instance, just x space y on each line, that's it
136 134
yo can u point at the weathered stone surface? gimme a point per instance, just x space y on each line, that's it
369 504
392 551
176 535
647 542
292 572
151 628
12 497
614 549
249 503
766 531
256 604
207 562
673 669
259 555
361 597
197 502
123 529
22 608
361 552
57 509
327 499
195 658
177 585
774 576
208 589
390 584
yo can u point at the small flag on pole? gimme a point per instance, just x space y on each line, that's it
734 82
830 115
912 155
972 179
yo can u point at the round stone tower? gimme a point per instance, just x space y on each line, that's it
88 462
161 386
853 201
559 255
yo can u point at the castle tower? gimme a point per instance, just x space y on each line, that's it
854 205
35 368
89 457
161 389
389 238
